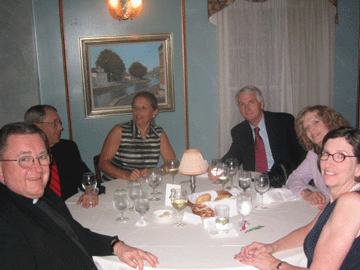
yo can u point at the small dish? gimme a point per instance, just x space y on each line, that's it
163 214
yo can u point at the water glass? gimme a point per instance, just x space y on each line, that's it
222 217
121 203
262 184
244 180
141 207
233 166
153 179
89 182
134 191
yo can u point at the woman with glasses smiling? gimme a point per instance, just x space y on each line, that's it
331 240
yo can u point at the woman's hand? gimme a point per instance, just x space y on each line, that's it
263 261
315 198
133 175
134 257
253 250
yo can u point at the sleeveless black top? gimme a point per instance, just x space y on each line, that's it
352 259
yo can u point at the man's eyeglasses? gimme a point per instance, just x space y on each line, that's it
28 161
337 157
56 123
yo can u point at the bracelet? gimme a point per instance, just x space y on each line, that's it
114 243
279 265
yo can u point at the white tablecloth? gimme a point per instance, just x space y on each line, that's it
191 247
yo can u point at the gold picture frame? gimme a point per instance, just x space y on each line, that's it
115 68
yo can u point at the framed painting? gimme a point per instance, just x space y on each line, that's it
115 68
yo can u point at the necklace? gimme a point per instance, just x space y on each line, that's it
355 187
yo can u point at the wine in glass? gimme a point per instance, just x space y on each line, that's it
121 203
89 182
141 207
262 184
222 174
179 201
134 191
172 167
244 180
153 179
233 166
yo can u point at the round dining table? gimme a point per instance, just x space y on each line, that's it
193 246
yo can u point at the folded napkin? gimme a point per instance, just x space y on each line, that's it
209 224
191 218
278 195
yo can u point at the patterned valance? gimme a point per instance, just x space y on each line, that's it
217 5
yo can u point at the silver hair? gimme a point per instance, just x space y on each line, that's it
252 90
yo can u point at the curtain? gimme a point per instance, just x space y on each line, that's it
283 47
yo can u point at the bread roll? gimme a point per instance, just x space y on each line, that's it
203 198
220 197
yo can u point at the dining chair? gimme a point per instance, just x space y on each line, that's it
97 170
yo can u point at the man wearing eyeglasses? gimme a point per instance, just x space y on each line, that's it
37 230
67 166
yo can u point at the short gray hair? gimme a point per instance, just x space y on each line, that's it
252 90
37 113
19 128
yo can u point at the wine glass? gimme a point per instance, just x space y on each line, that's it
233 165
179 201
134 191
89 182
262 184
141 207
121 203
172 167
153 179
222 174
244 180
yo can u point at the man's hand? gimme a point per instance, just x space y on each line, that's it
134 257
89 199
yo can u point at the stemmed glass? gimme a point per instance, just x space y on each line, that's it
244 180
89 182
262 184
179 201
121 203
233 165
244 204
172 167
141 207
222 174
134 191
154 178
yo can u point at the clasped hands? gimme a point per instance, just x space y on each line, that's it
258 255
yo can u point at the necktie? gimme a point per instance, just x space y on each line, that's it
260 154
55 181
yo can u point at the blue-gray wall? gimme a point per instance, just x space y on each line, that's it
91 18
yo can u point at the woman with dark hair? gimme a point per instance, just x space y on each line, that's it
331 240
133 147
311 125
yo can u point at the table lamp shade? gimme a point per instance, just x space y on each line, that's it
192 163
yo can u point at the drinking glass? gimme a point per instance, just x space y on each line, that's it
172 167
121 203
233 165
222 174
179 201
262 184
134 191
153 179
244 204
222 217
244 180
141 207
89 182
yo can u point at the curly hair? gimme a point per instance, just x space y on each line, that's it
331 118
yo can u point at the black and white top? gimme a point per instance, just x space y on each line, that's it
133 152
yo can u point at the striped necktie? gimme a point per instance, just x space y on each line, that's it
260 154
55 181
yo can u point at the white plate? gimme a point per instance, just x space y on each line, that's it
160 215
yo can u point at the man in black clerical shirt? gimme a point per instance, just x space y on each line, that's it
37 230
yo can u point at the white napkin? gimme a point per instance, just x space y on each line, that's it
209 224
278 195
191 218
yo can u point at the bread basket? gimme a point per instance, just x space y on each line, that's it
202 210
